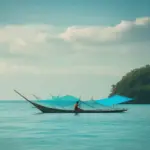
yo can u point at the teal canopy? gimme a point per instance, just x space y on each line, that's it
69 101
116 99
62 101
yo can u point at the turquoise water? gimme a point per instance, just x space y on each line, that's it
22 127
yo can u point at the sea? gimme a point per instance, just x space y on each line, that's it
23 127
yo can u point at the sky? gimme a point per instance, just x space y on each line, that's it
75 47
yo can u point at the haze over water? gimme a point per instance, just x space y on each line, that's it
22 127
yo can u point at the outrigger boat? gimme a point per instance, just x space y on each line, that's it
46 109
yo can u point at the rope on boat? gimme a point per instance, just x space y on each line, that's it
86 104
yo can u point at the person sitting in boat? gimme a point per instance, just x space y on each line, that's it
76 106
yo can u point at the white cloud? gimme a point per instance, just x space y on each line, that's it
122 32
45 49
17 44
142 21
20 36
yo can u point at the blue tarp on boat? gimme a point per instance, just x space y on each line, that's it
62 101
116 99
69 101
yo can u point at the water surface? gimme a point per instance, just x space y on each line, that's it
22 127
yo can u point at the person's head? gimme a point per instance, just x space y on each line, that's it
77 102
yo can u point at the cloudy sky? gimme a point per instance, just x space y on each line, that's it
77 47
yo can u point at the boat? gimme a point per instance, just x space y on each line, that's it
46 109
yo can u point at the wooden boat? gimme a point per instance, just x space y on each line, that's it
46 109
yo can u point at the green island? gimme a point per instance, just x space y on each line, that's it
135 84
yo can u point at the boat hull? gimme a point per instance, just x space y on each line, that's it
45 109
51 110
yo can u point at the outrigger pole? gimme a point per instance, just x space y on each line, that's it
24 97
85 103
